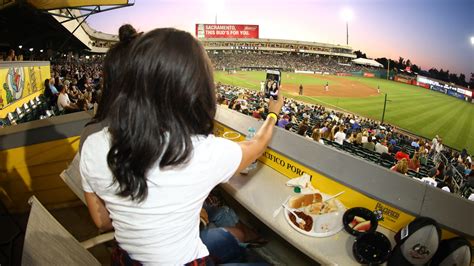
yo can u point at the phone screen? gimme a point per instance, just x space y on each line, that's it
272 83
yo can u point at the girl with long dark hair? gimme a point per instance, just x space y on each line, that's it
148 172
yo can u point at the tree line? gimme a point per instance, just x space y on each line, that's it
441 74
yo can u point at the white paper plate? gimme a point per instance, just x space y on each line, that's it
332 221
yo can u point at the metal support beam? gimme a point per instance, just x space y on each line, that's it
72 33
95 10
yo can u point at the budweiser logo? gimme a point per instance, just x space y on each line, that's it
251 27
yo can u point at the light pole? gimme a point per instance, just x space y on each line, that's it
216 6
347 16
347 32
384 106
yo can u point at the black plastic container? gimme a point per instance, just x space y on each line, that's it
371 248
361 212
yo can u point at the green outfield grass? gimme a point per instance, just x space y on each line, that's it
418 110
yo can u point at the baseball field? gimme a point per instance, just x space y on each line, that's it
415 109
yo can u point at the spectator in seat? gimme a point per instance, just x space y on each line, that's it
256 114
365 138
393 141
415 144
73 93
333 133
284 121
468 168
50 92
402 154
352 138
438 172
11 55
369 145
423 156
340 136
317 136
414 162
358 140
64 104
381 147
401 166
303 127
325 131
82 104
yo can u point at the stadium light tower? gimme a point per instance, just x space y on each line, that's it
472 40
347 16
216 6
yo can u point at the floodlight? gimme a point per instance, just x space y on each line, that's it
216 7
347 14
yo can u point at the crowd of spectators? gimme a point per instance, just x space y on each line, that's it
425 160
287 61
75 85
99 43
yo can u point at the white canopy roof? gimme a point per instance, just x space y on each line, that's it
366 62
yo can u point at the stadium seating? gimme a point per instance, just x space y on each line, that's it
37 108
253 102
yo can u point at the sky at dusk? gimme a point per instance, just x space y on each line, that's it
431 33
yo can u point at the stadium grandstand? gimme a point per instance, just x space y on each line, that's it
52 77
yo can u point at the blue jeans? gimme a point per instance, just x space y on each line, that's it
221 216
223 246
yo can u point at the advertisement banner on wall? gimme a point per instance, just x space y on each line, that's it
424 85
402 80
369 75
444 87
344 74
226 31
20 82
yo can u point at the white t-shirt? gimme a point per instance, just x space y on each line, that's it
380 148
164 228
63 100
339 137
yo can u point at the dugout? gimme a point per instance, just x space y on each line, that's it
33 155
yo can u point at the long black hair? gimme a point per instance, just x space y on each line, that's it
166 95
115 58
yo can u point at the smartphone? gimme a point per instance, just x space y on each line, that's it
272 83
